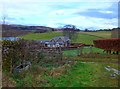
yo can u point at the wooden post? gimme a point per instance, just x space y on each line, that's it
60 53
90 49
81 49
78 51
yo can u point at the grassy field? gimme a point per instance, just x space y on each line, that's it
41 36
103 34
80 74
85 50
83 37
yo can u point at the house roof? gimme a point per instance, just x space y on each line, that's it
43 41
60 40
61 37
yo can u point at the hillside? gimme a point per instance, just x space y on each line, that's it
18 30
25 27
102 34
83 37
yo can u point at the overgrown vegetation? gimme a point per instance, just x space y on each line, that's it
17 52
79 74
14 52
87 70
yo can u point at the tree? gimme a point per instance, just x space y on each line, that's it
70 31
4 22
86 30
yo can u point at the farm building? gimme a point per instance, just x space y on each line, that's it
56 42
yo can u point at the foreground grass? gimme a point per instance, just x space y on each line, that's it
84 75
77 75
113 62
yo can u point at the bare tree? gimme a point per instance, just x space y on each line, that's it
70 31
4 22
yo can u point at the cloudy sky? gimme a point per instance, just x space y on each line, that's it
91 14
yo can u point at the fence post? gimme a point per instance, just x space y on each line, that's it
81 49
78 51
90 49
60 53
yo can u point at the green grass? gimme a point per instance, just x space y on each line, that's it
85 38
113 62
103 34
83 75
85 50
41 36
78 75
82 37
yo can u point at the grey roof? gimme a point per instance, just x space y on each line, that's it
42 41
61 37
56 40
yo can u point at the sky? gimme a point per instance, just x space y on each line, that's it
90 14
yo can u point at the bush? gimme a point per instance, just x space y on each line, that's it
13 53
108 44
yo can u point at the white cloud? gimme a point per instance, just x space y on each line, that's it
86 22
107 12
81 7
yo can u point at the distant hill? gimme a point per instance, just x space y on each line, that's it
23 27
17 30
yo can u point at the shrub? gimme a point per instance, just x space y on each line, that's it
108 44
13 53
